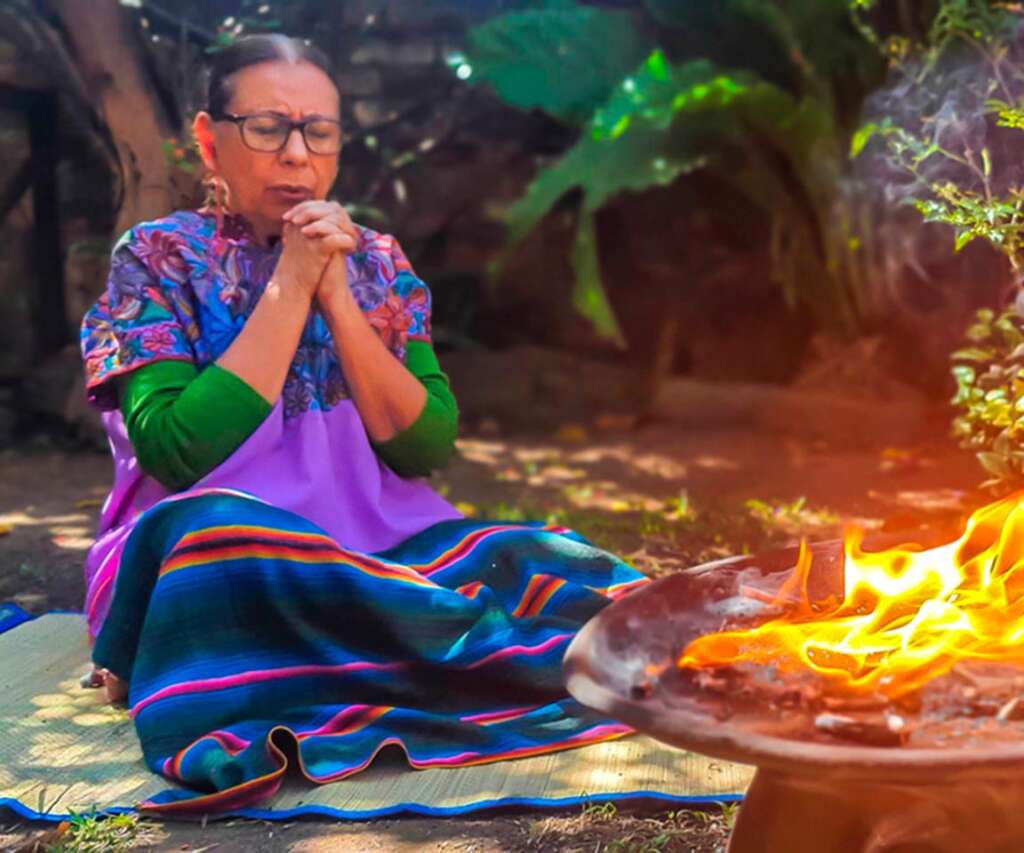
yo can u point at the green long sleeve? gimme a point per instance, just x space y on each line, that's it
429 442
183 423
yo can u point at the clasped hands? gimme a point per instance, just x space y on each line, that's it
317 235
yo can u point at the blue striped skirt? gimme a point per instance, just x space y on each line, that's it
251 640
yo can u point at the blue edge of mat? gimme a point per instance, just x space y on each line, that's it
11 616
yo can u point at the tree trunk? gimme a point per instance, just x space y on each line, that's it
105 46
42 63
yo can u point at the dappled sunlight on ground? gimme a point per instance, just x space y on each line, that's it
666 498
72 530
49 502
77 705
654 464
716 463
60 743
483 452
928 500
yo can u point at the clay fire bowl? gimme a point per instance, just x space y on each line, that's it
608 666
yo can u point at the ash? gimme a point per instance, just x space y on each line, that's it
977 703
973 704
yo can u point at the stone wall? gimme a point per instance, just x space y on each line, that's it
34 391
15 259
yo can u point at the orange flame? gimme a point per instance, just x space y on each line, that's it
907 615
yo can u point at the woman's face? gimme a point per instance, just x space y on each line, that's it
262 186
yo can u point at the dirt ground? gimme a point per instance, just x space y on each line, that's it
665 498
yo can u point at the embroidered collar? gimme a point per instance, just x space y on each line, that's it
235 228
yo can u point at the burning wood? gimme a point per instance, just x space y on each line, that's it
801 704
910 640
1012 710
871 730
904 618
868 702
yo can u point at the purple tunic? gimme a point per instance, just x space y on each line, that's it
180 289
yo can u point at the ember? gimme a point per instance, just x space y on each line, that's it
906 616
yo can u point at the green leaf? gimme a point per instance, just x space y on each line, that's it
564 59
862 137
589 295
366 212
979 332
644 154
959 432
647 134
222 40
974 354
655 92
994 464
963 238
1008 325
964 374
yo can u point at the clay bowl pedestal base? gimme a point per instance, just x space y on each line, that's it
786 812
810 794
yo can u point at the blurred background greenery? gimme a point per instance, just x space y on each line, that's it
815 194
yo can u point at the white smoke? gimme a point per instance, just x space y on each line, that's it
945 103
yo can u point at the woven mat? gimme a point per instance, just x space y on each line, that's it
62 749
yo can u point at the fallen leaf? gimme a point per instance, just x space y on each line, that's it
572 433
561 472
488 426
6 529
88 503
610 421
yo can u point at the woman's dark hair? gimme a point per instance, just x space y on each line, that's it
254 50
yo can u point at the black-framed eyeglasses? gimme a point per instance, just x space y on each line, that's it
269 132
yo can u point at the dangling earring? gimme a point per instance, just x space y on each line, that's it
221 199
217 201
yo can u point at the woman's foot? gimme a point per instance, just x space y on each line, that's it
91 680
115 689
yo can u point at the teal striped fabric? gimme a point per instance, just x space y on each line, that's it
252 642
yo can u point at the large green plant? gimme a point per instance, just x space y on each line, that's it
961 102
765 120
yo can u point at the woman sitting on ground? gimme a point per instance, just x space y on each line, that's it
271 561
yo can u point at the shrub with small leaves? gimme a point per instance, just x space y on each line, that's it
989 377
967 79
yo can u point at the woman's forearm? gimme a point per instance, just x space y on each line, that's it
388 397
265 347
